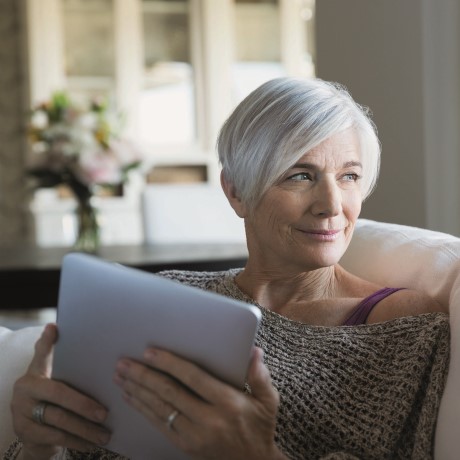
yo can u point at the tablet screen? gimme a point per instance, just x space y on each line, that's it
107 311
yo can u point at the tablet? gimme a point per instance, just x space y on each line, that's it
107 311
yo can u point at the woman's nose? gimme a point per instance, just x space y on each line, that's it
328 199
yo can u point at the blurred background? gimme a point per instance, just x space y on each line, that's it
176 68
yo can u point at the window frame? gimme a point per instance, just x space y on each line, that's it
212 55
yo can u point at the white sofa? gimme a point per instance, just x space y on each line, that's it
389 254
16 349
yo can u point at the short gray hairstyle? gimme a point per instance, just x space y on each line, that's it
280 121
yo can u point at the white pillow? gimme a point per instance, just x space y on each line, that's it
16 350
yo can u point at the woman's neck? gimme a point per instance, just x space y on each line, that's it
275 289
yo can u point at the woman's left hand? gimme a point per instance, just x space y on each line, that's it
214 420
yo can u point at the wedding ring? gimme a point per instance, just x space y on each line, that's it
171 418
38 413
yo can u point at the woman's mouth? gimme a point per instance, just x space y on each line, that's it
322 235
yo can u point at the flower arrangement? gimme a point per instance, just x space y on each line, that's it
80 147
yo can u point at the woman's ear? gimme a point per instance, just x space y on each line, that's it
232 196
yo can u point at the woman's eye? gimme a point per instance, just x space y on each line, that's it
300 177
351 177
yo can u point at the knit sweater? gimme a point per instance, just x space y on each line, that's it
366 392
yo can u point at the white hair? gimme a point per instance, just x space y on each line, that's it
280 121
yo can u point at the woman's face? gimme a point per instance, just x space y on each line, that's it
306 220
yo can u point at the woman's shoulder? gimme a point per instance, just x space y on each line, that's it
419 302
397 304
405 302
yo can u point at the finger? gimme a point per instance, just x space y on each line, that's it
58 426
156 410
43 437
178 432
42 360
145 396
30 390
159 392
202 383
259 379
75 425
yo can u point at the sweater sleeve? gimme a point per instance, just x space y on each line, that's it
339 456
13 451
97 453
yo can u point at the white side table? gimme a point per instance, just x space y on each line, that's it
120 218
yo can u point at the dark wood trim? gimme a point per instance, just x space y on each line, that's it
29 276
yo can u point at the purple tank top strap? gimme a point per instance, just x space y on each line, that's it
364 308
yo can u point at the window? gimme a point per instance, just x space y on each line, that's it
167 109
89 48
175 67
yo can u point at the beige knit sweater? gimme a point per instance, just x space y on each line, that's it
366 392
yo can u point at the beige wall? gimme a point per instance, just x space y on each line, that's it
400 58
13 214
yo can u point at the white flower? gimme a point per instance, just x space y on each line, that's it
87 121
84 144
125 151
39 119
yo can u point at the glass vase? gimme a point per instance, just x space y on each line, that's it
88 237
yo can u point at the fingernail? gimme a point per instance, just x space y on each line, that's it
100 414
104 438
122 366
150 354
118 379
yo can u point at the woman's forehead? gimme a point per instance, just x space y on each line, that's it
340 148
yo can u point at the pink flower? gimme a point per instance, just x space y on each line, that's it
125 151
79 145
101 167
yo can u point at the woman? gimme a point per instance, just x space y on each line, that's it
298 159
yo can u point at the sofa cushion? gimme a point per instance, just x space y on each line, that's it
16 350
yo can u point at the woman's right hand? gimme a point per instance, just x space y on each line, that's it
70 419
